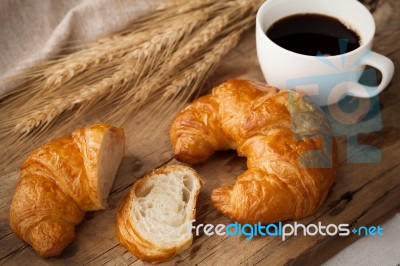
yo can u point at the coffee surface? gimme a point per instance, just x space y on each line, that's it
313 34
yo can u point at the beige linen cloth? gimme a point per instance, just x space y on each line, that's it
33 30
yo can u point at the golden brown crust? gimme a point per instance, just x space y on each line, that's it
275 130
55 190
131 239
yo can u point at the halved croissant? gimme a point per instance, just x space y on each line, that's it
153 218
62 180
291 155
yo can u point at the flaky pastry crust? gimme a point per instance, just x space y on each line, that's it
59 183
291 154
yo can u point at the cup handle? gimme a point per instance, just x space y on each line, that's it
385 66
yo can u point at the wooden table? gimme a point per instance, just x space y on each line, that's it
363 194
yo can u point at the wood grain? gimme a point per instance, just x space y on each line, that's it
363 194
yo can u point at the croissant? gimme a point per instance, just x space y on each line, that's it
62 180
291 155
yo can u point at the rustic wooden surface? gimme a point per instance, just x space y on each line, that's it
363 194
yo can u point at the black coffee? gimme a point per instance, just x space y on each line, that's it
312 34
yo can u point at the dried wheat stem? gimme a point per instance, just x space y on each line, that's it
207 34
126 72
200 68
191 78
123 72
196 71
110 48
171 37
203 37
76 63
52 109
200 40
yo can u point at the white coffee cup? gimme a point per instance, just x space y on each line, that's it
326 79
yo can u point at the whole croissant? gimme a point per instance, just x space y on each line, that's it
62 180
291 155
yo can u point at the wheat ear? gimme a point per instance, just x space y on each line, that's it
109 83
127 71
136 98
204 65
192 78
101 52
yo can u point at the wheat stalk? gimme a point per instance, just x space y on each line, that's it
200 68
103 51
192 77
194 46
127 71
164 58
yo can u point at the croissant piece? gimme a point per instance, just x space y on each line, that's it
62 180
153 219
291 154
